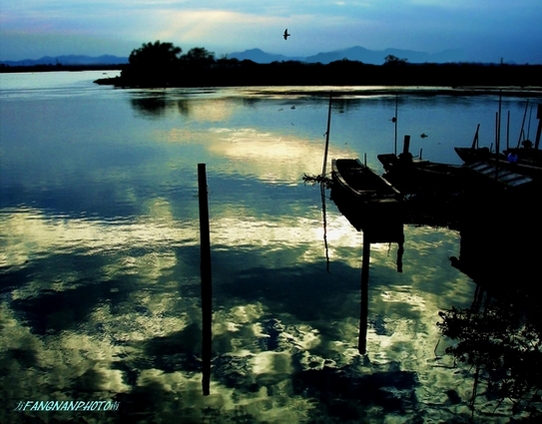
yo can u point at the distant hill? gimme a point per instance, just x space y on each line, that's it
377 57
69 60
259 56
361 54
356 53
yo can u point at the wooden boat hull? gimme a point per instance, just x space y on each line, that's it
474 154
369 202
421 176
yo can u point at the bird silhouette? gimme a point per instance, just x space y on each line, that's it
286 35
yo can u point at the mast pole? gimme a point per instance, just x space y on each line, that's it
327 135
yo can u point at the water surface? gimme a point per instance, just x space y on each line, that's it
99 259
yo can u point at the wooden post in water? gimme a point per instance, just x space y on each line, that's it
508 131
539 128
395 124
521 132
206 280
406 144
498 138
364 309
498 146
475 139
324 165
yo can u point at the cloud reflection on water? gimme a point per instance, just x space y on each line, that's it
100 299
260 340
270 157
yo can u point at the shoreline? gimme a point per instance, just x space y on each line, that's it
449 78
340 90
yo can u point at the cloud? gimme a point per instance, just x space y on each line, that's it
234 25
195 25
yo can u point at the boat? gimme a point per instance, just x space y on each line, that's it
475 153
367 200
525 159
526 151
514 161
362 183
419 175
492 176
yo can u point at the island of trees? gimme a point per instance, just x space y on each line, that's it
162 64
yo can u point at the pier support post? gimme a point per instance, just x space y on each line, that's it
206 280
406 144
539 128
364 309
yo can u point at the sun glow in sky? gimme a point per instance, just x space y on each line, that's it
486 30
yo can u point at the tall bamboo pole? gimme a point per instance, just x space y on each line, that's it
326 149
364 302
206 280
395 124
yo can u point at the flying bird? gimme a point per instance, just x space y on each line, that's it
286 35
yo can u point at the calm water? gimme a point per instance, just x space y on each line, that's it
99 258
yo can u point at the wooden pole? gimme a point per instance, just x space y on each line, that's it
497 129
327 135
206 280
395 124
508 131
496 133
406 144
529 124
364 309
475 139
324 217
521 132
539 128
498 146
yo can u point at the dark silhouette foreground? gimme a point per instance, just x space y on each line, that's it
162 65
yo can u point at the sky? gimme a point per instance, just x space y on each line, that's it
484 30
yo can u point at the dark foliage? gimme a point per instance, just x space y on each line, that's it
159 64
501 342
153 64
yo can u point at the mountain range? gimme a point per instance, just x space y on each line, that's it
361 54
357 53
69 60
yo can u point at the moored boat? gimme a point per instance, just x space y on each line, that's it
369 202
418 175
526 159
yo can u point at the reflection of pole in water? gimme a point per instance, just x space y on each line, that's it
323 194
206 280
400 251
364 310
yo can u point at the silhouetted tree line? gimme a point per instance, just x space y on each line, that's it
162 64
